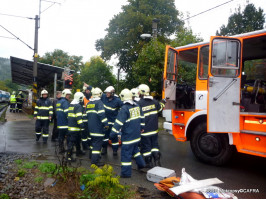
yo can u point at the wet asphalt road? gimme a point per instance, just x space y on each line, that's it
242 172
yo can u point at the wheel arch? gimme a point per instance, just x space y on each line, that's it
196 118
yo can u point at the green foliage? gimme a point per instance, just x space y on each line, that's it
4 196
38 179
150 66
103 183
185 36
18 162
47 167
124 30
250 19
62 59
21 173
97 73
30 165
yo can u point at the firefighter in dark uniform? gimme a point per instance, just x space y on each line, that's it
97 122
130 121
85 136
55 132
149 138
62 106
43 113
13 102
112 104
75 126
20 99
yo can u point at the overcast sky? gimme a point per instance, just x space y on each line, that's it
75 25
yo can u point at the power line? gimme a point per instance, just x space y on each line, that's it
16 16
17 38
209 9
8 37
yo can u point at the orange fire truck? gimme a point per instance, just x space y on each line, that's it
216 96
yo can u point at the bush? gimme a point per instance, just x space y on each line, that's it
47 167
21 173
30 165
4 196
103 184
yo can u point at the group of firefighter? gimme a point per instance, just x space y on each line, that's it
16 102
93 119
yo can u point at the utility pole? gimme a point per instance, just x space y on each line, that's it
35 63
154 27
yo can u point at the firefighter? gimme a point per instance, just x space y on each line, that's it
149 138
20 99
13 102
131 121
43 113
85 136
135 94
62 106
97 122
75 126
112 104
55 131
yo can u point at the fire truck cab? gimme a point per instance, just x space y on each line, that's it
216 96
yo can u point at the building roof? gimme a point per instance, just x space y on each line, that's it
22 72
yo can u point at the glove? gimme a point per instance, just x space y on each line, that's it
112 135
163 101
106 128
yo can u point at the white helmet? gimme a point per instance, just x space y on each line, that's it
96 92
13 92
109 89
65 92
20 92
78 96
144 89
125 95
44 92
135 92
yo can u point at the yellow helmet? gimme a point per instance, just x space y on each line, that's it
125 95
96 92
144 89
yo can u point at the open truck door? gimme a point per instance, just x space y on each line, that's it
224 85
170 75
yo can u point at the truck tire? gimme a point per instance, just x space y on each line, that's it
211 148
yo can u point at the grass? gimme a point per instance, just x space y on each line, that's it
30 165
38 179
4 196
47 167
3 116
21 173
18 162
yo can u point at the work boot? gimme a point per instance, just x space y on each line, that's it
38 138
156 157
104 151
99 164
148 161
124 176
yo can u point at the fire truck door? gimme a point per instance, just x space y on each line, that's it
224 85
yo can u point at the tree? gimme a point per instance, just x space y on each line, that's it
123 34
97 73
251 19
62 59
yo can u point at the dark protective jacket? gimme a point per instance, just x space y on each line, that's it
150 108
96 117
74 117
43 109
111 106
130 120
62 106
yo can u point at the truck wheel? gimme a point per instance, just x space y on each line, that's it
211 148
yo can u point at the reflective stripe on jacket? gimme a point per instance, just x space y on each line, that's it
75 122
62 106
43 109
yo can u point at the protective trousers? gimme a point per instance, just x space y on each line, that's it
12 107
74 140
55 132
150 147
63 133
19 106
84 136
115 143
96 146
127 152
42 129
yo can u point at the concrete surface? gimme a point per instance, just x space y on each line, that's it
243 172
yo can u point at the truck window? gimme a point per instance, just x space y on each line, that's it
171 70
225 57
204 61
